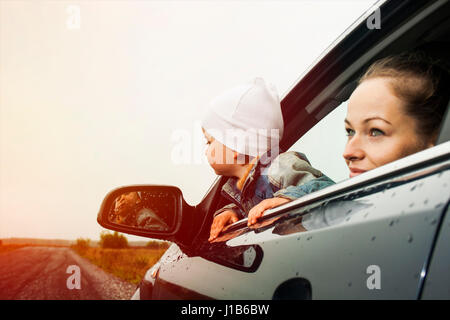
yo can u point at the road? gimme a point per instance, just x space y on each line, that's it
42 273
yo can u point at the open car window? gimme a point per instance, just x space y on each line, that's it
320 135
324 144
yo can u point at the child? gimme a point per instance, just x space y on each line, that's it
243 127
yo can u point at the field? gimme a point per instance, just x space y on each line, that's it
14 246
10 247
129 264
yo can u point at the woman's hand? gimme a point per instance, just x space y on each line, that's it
221 221
257 211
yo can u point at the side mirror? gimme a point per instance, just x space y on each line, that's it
148 211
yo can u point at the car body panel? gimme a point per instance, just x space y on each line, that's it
437 283
392 227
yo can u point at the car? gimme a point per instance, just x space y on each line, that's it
393 236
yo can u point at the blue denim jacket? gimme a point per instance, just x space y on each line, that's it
289 175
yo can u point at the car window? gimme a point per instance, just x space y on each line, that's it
324 144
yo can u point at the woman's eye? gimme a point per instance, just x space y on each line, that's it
376 132
350 132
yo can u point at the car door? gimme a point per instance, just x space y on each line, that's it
437 282
371 242
367 240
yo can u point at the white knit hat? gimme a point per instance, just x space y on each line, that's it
247 118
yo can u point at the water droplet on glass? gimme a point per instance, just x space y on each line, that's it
410 238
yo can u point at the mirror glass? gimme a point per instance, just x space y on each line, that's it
149 210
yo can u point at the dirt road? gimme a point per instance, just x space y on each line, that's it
42 273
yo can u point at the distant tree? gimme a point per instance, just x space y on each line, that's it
83 243
156 244
152 244
115 240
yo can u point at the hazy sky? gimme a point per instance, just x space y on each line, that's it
91 102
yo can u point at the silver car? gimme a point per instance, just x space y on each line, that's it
384 234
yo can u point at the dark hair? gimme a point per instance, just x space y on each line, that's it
421 82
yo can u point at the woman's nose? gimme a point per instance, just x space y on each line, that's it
353 149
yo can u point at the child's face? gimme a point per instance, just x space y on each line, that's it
220 158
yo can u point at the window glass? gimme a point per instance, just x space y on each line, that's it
324 144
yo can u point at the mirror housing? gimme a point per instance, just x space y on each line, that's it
152 211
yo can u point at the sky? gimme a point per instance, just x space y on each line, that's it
93 95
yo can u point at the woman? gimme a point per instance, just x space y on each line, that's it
395 111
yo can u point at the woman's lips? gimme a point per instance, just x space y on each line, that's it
355 172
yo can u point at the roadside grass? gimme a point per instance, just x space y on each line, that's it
129 264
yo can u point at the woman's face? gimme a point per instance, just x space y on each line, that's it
378 129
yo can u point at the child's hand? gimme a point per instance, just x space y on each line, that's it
220 222
257 211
